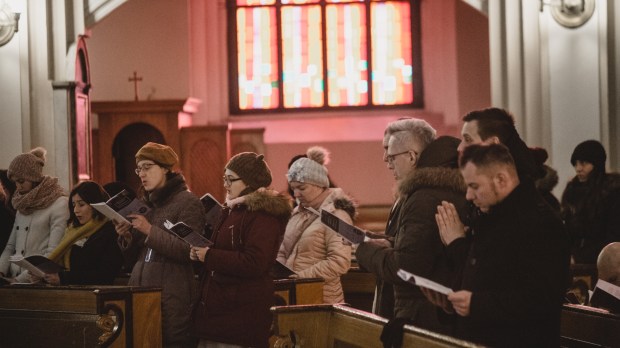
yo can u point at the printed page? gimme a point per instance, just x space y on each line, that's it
423 282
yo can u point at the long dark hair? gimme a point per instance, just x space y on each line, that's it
90 192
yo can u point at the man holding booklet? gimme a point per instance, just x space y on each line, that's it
425 168
515 262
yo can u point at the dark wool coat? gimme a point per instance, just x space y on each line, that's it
163 259
517 271
236 287
383 303
98 261
417 246
591 211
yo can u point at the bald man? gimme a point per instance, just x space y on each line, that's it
607 291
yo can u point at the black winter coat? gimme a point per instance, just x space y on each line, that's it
517 270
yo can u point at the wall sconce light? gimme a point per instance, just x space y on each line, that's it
570 13
8 24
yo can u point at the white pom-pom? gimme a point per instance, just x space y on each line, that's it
318 154
39 152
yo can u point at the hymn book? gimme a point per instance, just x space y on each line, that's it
351 233
281 271
213 210
185 233
423 282
120 206
37 265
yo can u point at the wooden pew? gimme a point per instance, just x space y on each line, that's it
359 288
584 326
299 291
80 316
342 326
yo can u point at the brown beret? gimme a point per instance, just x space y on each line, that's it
161 154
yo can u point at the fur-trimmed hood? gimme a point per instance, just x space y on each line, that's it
549 181
435 177
437 168
270 202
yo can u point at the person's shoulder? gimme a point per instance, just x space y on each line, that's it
270 202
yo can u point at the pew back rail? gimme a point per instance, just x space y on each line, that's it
342 326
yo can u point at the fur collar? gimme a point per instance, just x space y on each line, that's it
270 202
433 177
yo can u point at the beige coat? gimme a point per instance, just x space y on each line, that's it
313 250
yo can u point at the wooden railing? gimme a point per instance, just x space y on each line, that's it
342 326
584 326
80 316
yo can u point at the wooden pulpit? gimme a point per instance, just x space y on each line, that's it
80 316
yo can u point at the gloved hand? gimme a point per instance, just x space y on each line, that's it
392 334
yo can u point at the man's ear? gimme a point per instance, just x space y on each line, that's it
492 140
501 179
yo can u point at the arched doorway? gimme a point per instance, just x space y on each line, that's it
126 143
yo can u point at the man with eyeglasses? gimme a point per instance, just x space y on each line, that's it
425 168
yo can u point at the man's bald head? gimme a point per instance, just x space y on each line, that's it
608 263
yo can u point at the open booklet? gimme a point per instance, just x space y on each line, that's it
606 295
118 207
281 271
213 211
423 282
37 265
181 230
353 234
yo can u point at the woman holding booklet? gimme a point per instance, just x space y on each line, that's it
236 286
162 260
41 216
88 250
310 248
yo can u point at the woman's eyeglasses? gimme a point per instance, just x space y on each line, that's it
144 168
228 181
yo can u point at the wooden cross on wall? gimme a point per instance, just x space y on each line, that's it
135 81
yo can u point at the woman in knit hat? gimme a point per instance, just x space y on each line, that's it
236 285
591 203
310 248
88 250
41 206
161 258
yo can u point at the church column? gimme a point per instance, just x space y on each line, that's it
208 60
516 71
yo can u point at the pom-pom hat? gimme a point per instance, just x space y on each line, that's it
28 166
310 170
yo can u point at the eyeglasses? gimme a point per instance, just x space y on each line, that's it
228 180
144 168
390 158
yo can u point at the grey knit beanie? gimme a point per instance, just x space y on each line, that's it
310 170
28 166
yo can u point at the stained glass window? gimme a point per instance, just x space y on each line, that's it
324 54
